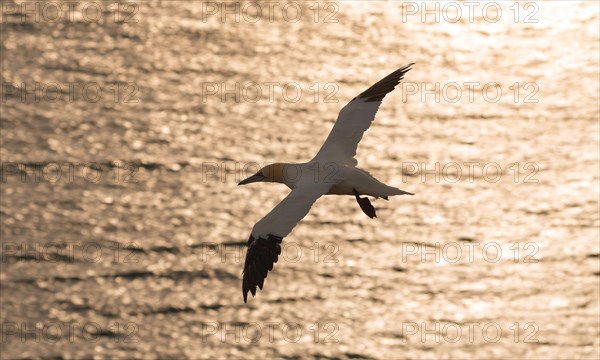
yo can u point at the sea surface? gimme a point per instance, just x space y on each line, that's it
126 126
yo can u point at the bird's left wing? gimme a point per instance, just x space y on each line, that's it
355 118
264 242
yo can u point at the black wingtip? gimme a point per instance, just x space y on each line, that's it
384 86
262 254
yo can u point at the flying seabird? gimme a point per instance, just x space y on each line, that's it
332 171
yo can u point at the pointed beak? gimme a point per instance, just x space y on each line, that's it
251 179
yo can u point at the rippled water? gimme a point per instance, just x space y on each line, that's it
144 260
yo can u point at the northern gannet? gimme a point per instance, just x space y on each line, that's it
332 171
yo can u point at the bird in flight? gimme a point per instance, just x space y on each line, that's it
332 171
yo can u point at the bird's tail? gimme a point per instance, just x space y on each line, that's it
395 191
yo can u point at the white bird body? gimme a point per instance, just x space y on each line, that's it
363 182
332 171
342 178
321 178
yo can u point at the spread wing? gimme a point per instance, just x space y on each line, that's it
355 118
264 242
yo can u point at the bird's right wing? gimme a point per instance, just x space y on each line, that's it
264 242
355 118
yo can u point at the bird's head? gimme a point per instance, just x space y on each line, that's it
269 173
